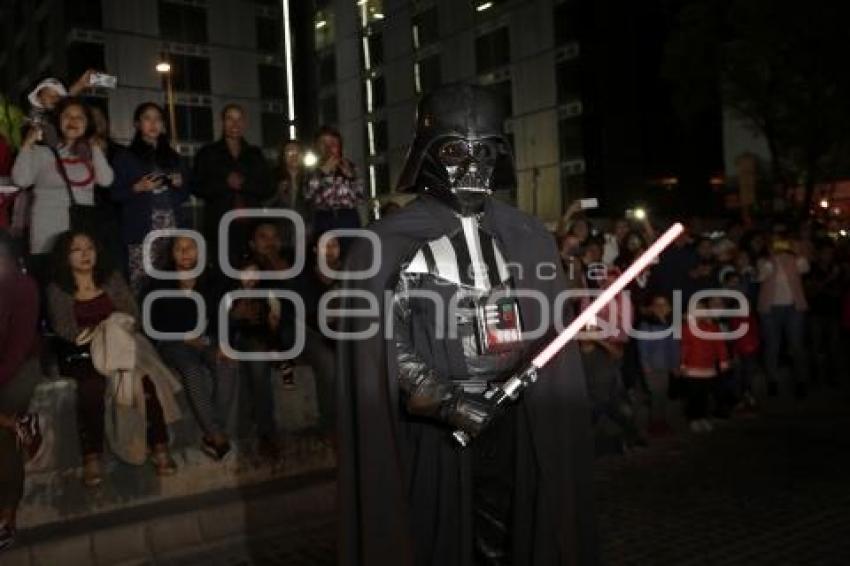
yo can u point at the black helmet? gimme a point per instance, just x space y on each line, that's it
463 112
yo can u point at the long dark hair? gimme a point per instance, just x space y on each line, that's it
162 155
60 266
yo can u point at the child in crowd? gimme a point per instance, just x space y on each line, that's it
603 355
254 329
745 349
660 357
704 355
725 386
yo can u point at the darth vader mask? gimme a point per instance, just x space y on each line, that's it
460 171
460 153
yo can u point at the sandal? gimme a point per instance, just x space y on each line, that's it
28 432
7 536
213 450
92 472
163 463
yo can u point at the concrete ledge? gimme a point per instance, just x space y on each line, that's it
16 557
54 490
169 534
120 545
171 529
71 550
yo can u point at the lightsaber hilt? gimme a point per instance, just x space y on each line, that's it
501 395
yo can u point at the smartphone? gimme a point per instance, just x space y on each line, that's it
103 80
588 203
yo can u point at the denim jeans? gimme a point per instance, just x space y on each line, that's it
257 379
829 358
657 383
787 321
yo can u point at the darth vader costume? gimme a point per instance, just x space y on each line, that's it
461 293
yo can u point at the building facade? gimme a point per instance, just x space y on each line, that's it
220 51
375 58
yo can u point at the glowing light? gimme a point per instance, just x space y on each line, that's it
290 88
370 133
163 67
589 314
824 203
321 23
378 16
640 214
373 179
370 105
417 78
843 233
484 6
310 159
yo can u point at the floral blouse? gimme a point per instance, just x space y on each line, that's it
330 191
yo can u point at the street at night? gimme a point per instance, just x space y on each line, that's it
766 490
424 283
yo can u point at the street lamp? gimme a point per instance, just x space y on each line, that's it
164 69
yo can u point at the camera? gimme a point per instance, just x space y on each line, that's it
103 80
49 135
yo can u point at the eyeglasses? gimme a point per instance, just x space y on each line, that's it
458 151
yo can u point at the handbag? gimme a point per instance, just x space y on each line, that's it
80 216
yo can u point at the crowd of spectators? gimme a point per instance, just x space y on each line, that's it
73 279
75 212
774 294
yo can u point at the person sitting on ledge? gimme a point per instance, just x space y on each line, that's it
84 293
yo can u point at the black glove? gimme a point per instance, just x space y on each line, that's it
472 413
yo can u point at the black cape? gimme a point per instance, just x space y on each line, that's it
403 483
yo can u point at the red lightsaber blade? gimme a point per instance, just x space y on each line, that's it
511 389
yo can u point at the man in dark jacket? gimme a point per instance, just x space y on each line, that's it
231 174
462 323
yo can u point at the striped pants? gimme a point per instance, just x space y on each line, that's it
211 384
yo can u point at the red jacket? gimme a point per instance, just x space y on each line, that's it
702 358
18 324
748 344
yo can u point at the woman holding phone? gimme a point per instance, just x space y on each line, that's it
76 159
151 184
